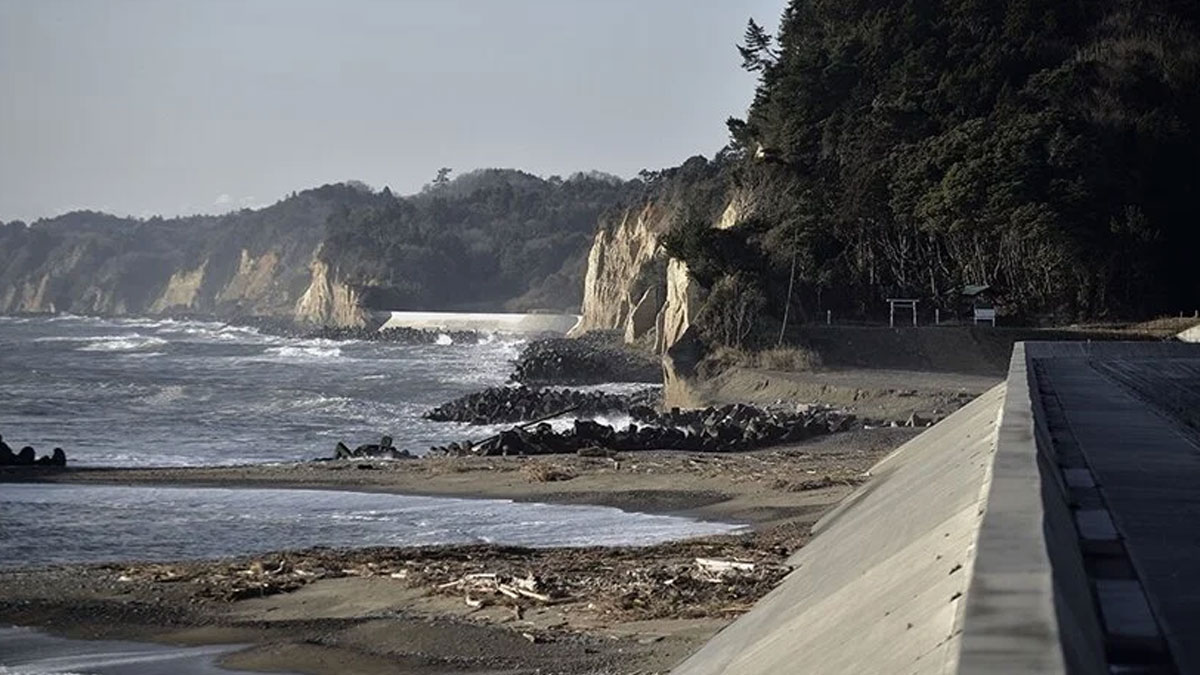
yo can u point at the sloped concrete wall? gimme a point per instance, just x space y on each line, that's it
961 555
881 588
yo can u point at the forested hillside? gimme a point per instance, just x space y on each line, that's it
907 148
488 239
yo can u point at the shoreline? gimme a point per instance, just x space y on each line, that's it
642 481
386 609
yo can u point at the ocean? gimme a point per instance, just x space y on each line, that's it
161 392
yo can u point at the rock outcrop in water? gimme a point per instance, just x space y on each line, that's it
499 405
730 428
27 456
594 358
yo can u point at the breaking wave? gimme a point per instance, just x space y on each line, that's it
304 352
121 343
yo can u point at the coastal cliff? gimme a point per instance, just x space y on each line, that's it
488 240
634 286
87 263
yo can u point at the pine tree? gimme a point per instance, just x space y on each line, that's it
756 53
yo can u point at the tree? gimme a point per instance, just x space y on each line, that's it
442 178
756 51
731 311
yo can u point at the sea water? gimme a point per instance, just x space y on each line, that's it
24 651
161 392
151 392
59 523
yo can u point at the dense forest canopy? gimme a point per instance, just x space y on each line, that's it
906 148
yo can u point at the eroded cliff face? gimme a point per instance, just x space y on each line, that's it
328 301
620 270
633 286
283 280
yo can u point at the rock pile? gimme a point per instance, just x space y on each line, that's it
27 456
399 335
585 360
498 405
381 450
730 428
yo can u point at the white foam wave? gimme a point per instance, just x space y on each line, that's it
165 396
618 422
224 333
305 353
443 339
121 343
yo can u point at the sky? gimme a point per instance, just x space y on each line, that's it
142 107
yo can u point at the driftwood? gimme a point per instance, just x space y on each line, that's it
717 570
514 588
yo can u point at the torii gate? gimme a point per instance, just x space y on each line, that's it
902 303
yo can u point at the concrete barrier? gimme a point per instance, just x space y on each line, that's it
1029 607
483 321
881 588
961 555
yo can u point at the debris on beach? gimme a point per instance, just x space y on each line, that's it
713 577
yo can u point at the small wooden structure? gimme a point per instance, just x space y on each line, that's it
983 308
901 303
985 314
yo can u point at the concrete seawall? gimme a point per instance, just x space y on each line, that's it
974 548
482 321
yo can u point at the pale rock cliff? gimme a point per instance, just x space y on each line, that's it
285 280
329 301
181 291
618 263
633 286
683 298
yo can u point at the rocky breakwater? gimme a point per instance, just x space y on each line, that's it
27 456
730 428
594 358
500 405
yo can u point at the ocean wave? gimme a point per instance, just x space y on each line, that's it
165 396
305 352
443 339
224 333
121 343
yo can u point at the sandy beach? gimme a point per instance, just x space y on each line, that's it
437 610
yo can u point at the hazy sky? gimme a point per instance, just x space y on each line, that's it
173 106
